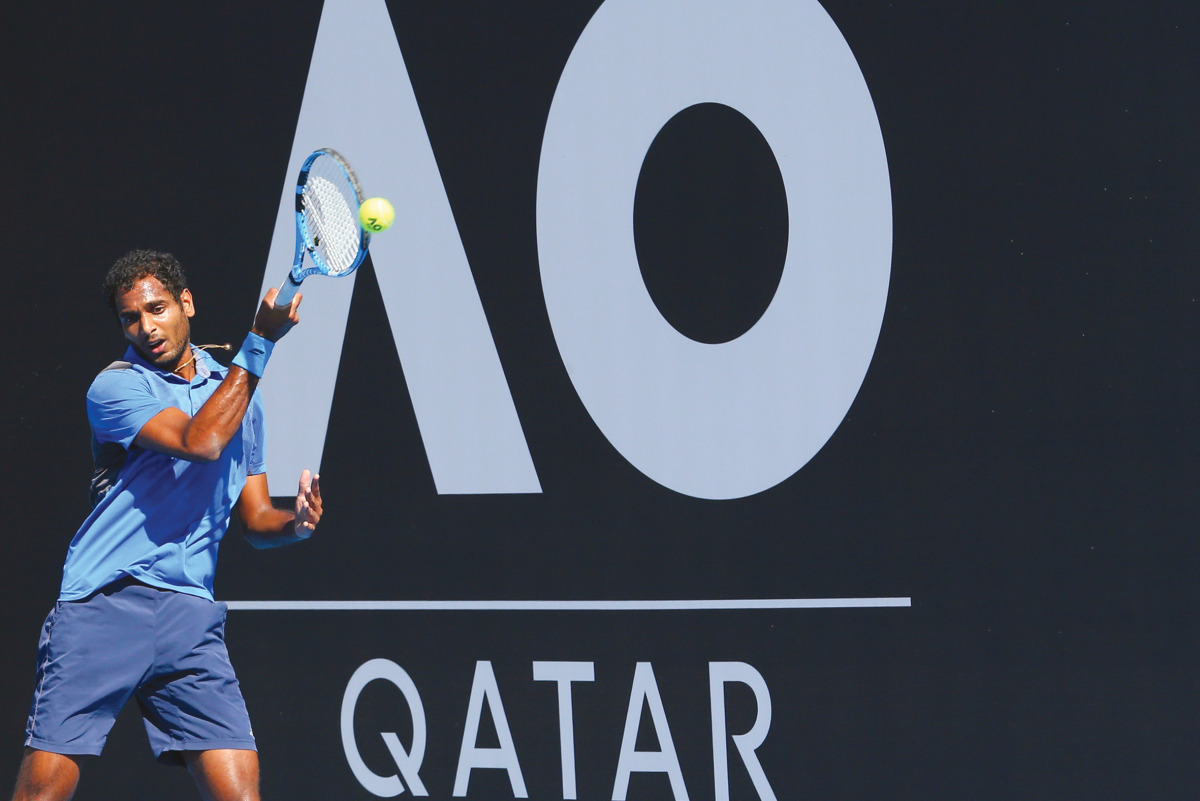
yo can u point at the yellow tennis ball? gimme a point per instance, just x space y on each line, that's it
376 215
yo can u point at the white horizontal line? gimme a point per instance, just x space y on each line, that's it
565 606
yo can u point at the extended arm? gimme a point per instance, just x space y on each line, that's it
202 437
268 527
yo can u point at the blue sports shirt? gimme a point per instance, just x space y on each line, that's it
163 519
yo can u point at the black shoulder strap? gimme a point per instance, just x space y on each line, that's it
107 457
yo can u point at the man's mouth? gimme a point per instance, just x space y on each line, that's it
157 347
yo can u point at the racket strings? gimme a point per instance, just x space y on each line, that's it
330 208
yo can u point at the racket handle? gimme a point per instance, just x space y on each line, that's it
287 291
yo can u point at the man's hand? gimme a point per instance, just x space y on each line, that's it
308 504
268 527
271 322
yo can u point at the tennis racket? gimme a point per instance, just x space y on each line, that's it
327 229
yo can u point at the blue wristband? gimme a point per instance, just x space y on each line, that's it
254 354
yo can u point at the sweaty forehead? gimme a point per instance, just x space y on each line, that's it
144 290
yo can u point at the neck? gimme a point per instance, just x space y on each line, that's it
187 368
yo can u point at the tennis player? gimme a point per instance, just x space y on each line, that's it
178 441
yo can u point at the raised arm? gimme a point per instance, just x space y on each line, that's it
202 437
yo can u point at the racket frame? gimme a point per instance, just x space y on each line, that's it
305 242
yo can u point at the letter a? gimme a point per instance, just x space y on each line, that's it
485 690
665 760
463 406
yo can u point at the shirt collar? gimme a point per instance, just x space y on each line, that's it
206 366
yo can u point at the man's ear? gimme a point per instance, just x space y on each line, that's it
185 300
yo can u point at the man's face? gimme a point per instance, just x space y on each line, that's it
155 323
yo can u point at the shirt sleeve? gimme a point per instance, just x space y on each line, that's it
256 456
119 403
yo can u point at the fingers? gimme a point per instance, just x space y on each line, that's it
313 499
273 322
293 314
308 501
306 516
273 293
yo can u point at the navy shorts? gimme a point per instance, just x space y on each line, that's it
165 648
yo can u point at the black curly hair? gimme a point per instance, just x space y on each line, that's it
138 264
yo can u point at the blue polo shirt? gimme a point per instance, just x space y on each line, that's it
163 519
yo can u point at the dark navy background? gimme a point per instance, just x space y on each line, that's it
1021 460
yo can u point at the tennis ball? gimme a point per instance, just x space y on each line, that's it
376 215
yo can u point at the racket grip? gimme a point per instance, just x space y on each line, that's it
287 291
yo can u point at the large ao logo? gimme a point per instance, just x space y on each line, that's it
710 420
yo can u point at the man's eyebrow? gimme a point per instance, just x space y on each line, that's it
138 309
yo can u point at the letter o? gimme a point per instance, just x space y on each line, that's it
732 419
